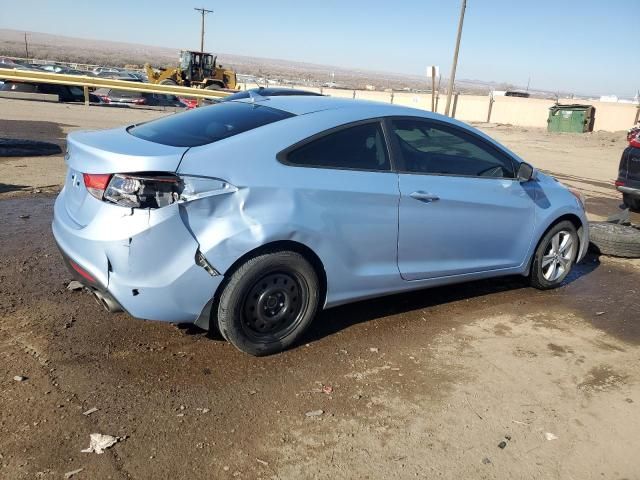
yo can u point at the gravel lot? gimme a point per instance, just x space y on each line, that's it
422 385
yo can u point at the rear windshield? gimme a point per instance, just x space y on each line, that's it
207 124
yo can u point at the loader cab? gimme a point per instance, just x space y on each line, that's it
196 66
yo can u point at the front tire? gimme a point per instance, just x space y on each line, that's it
268 302
555 256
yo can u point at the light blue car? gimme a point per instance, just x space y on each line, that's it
249 216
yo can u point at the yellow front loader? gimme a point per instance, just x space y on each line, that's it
196 69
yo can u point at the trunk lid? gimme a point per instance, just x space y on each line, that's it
110 151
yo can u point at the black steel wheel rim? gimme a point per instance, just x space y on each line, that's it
274 305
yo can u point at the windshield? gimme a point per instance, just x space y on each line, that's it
206 125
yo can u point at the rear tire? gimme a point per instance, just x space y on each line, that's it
632 202
554 257
168 81
214 86
268 302
615 240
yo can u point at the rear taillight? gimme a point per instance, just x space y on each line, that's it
152 190
96 183
143 191
619 183
82 272
138 101
634 141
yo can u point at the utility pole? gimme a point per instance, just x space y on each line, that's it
26 46
452 77
433 88
203 12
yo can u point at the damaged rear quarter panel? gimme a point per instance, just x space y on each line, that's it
159 263
348 218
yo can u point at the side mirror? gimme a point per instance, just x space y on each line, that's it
526 172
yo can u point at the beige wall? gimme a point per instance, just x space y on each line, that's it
525 112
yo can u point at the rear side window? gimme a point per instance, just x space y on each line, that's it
207 124
361 148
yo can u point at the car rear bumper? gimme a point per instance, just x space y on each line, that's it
142 262
99 291
634 192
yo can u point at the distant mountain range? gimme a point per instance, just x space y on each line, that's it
108 53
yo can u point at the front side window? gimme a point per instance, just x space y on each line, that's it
437 149
361 147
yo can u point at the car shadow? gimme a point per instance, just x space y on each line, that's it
8 187
334 320
38 130
340 318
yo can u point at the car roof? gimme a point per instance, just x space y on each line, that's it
304 104
362 109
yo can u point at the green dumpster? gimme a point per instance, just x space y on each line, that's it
571 118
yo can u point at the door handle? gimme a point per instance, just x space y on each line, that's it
425 197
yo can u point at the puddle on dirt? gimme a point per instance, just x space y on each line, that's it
601 378
559 350
606 295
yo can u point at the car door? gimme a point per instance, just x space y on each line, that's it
462 210
343 178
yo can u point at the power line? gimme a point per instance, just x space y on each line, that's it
203 12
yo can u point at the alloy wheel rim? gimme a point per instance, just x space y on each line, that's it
274 305
558 255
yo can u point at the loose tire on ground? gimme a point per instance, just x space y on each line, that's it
615 240
268 302
553 251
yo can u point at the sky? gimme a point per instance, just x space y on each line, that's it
578 46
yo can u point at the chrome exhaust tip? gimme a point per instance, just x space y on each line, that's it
108 303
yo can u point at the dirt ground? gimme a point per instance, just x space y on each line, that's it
422 385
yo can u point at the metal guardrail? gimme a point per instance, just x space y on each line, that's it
87 81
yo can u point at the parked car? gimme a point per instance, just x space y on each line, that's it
66 93
628 181
250 216
118 76
62 70
112 95
7 63
138 76
261 91
191 102
98 70
52 68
